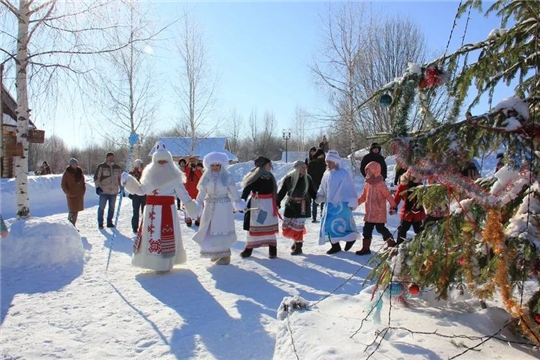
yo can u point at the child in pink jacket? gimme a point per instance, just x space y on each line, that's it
375 195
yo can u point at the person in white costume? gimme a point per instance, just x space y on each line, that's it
159 245
217 190
338 192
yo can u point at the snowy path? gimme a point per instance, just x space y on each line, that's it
205 311
200 310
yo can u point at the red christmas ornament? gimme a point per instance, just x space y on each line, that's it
433 77
537 318
414 289
461 261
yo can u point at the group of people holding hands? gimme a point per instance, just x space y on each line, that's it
214 200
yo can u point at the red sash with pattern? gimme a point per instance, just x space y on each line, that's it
164 244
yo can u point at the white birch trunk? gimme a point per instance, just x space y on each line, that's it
22 112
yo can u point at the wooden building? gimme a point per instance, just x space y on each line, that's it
10 148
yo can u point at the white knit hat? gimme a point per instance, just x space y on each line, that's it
333 156
137 163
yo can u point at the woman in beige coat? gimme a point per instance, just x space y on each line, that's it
74 186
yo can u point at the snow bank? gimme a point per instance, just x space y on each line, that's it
41 242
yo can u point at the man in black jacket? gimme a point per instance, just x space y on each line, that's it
374 155
316 169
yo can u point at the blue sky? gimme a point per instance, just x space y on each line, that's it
262 51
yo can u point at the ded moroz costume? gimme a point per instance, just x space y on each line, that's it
159 245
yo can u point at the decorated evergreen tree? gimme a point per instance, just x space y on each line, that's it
487 233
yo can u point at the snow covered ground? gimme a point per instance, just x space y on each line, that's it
57 300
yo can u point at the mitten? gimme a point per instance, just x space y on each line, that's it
319 199
99 191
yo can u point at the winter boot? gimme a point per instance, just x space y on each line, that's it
197 222
189 223
293 246
272 252
334 249
390 242
297 248
349 245
246 253
366 243
224 260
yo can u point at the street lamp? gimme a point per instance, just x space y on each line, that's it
286 137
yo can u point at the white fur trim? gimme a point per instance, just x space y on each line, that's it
215 158
333 156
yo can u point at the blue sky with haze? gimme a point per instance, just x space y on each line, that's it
262 51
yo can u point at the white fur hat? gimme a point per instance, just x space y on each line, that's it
215 158
161 153
137 163
333 156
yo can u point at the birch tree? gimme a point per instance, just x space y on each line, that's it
127 78
336 66
46 39
361 54
301 118
235 124
197 83
394 43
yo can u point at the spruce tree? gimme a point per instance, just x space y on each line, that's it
488 237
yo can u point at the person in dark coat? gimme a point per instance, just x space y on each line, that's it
500 162
316 169
324 145
311 154
182 165
45 169
138 201
470 171
298 188
374 155
400 170
74 186
261 217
